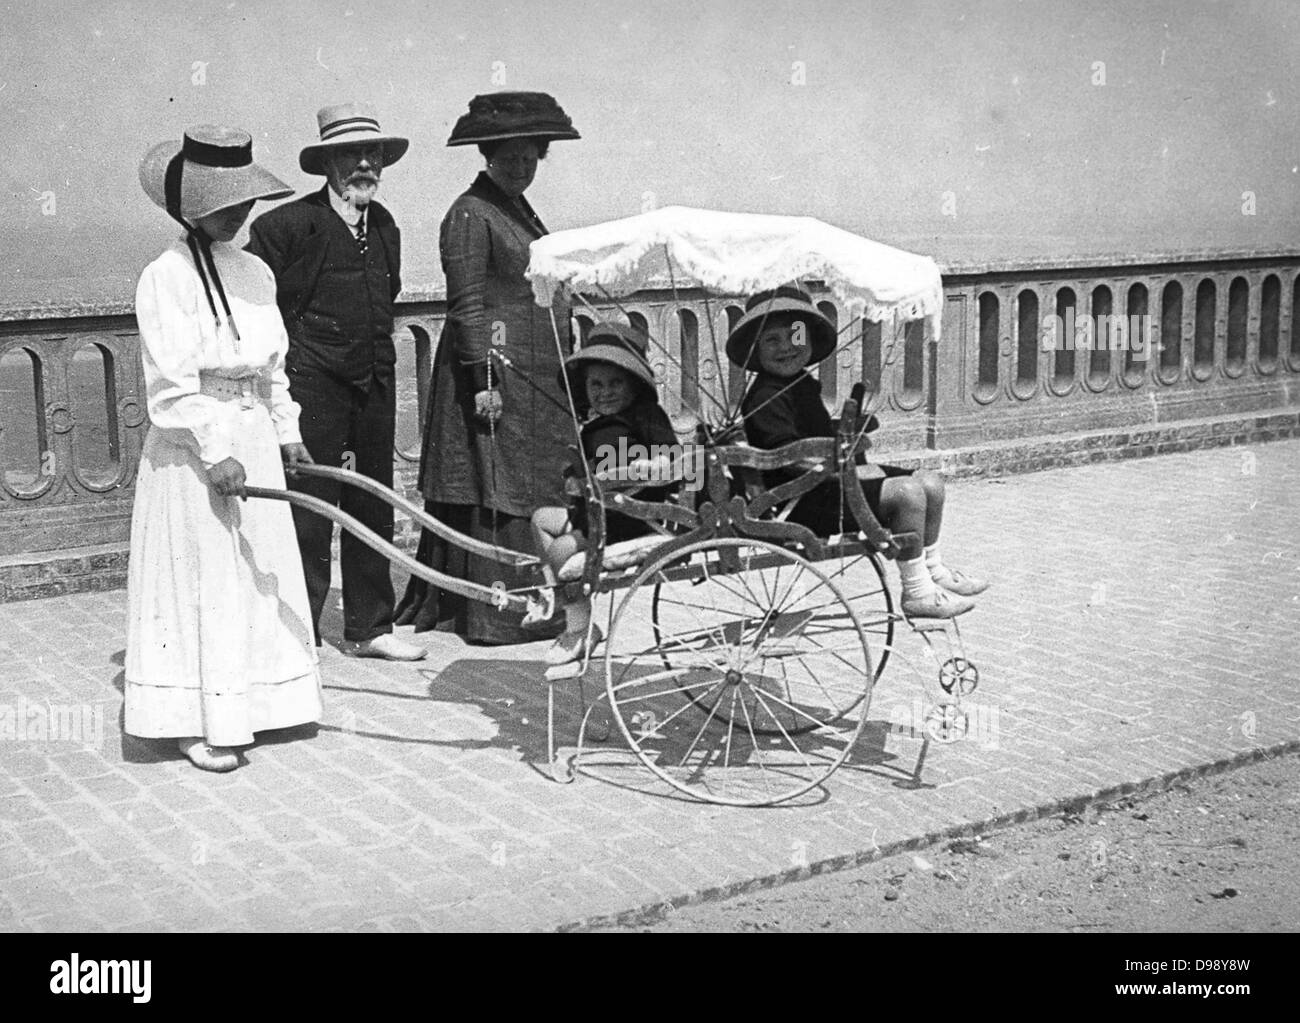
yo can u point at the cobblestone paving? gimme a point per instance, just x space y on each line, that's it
1143 620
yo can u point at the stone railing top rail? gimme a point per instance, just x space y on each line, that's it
17 312
1036 264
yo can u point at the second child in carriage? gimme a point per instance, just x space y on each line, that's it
623 427
779 336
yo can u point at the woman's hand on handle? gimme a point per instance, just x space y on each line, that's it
295 455
488 405
227 478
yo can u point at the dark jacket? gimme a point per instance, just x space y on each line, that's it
607 441
337 305
516 467
778 412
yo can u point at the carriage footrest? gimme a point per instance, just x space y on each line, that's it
618 556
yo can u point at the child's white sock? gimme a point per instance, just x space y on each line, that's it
917 583
577 617
938 570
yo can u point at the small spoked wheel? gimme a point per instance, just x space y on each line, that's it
946 723
737 689
959 674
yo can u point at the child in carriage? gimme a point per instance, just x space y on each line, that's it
624 427
779 336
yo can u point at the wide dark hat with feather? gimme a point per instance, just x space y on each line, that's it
495 116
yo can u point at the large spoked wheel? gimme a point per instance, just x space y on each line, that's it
737 692
861 591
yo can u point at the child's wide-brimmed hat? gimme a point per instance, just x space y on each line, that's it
209 169
349 124
495 116
784 300
619 345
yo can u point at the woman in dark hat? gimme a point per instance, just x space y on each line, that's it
219 637
624 427
779 336
498 427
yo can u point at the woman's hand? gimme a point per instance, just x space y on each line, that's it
227 478
295 455
488 405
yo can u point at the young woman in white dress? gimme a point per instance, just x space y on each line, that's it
219 641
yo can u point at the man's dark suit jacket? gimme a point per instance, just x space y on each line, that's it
337 305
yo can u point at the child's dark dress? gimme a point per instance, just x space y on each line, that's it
645 424
778 412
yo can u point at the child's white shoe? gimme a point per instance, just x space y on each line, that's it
573 646
958 582
937 604
541 607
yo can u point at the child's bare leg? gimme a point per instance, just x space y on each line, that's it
556 541
950 579
932 484
550 525
903 508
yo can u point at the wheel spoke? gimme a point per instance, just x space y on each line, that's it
717 579
784 596
790 706
678 712
758 754
793 745
817 679
695 742
663 692
731 726
836 603
705 630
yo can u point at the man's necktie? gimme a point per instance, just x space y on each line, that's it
361 234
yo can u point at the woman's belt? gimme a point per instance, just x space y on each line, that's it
248 391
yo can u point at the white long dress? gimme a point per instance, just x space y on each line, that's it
219 640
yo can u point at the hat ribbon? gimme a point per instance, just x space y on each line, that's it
349 124
200 244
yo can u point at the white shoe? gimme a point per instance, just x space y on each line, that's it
939 604
207 758
389 648
964 585
572 646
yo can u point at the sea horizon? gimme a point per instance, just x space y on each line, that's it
71 271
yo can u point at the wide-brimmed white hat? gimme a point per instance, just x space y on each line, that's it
349 124
207 170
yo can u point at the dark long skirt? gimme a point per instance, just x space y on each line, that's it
428 607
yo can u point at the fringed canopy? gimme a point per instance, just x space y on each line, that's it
736 254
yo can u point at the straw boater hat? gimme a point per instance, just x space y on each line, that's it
619 345
783 300
349 124
495 116
208 170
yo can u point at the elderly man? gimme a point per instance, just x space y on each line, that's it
336 256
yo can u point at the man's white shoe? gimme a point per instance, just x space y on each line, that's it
388 647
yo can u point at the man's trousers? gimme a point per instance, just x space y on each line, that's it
346 427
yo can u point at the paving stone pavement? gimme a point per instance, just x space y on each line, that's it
1143 621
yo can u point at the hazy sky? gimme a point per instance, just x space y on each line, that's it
960 129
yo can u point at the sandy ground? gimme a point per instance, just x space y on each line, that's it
1220 853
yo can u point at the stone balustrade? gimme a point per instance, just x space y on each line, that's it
1127 355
